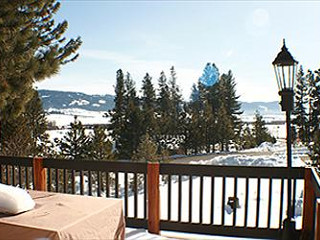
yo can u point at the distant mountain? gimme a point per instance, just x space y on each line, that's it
264 108
56 100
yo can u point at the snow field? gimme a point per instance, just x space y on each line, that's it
218 202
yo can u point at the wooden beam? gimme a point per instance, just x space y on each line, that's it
308 208
317 226
153 198
39 174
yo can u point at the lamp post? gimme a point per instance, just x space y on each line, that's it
285 70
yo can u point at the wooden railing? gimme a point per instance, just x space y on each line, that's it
194 198
311 214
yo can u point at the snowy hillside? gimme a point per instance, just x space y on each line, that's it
58 101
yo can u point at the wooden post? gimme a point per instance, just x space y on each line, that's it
317 227
39 175
308 208
153 198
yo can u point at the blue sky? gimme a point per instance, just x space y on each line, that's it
151 36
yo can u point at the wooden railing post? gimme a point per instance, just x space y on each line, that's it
308 208
39 174
317 226
153 198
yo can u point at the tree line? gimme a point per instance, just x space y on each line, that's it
158 121
307 112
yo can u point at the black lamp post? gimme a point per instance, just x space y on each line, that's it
285 69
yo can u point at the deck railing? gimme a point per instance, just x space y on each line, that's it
218 200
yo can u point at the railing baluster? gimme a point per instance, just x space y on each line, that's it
116 185
223 199
107 185
81 182
99 183
212 202
190 198
234 221
269 202
201 200
65 180
145 195
135 195
246 209
49 180
32 177
13 176
73 182
169 197
281 202
27 177
179 197
57 180
126 194
20 176
0 173
294 197
258 202
90 182
7 174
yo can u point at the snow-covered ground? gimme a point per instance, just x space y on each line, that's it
86 117
265 155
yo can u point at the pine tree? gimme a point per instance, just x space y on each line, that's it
75 144
176 102
228 101
148 102
32 48
300 113
146 151
100 145
247 138
163 104
117 121
133 128
314 115
260 131
224 127
25 135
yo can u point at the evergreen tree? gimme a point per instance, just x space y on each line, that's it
176 103
300 113
163 104
314 115
148 102
247 138
146 151
32 48
101 147
25 135
75 144
260 131
117 121
224 127
133 126
228 103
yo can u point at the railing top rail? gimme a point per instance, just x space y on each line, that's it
90 165
16 161
232 171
